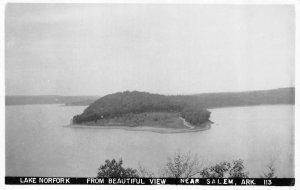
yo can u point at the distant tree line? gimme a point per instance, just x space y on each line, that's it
231 99
49 99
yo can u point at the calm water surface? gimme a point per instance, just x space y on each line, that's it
37 144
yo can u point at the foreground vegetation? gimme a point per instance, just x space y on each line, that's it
184 166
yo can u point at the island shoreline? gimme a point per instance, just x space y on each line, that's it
154 129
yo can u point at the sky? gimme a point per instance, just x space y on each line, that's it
98 49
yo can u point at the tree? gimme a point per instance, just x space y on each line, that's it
115 169
144 172
182 166
217 171
271 171
236 169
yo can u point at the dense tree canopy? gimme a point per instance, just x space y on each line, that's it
195 115
113 168
125 103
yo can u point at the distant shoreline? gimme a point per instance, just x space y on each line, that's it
210 100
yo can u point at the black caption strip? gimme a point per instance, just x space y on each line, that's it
150 181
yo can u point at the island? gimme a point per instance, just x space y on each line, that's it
144 111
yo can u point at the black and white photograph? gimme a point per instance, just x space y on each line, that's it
149 93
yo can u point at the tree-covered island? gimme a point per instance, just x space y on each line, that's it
133 109
183 113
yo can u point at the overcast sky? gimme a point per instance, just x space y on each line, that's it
75 49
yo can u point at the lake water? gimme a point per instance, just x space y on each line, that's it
38 144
